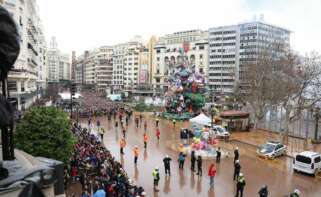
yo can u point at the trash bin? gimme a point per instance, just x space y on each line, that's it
58 167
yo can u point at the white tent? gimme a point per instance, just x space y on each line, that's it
201 120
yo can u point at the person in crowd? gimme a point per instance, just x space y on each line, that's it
240 184
236 154
181 160
199 165
212 173
141 118
145 136
157 133
145 126
98 125
167 165
101 133
136 154
218 155
193 160
174 123
237 170
91 157
263 192
156 178
157 122
295 193
124 131
122 145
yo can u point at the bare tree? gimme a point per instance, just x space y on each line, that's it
299 86
257 82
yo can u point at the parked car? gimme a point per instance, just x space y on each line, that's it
218 131
307 161
271 150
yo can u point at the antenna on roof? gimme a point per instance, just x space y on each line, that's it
262 17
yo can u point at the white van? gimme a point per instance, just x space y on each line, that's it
307 162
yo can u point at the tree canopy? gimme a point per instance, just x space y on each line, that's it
45 131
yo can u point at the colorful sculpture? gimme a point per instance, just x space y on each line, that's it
185 95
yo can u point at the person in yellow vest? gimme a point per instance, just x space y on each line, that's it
122 145
156 178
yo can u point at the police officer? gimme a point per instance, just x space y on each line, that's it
236 154
295 193
156 178
240 184
167 165
218 155
237 169
264 191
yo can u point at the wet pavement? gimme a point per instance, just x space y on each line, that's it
277 174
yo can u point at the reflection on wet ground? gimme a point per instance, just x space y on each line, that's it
277 174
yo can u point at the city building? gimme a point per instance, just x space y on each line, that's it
95 68
231 48
80 68
29 73
58 63
128 58
168 54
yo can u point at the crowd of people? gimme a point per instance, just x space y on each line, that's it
93 105
94 167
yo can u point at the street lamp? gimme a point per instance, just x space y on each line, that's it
317 117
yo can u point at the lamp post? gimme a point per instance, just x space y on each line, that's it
317 117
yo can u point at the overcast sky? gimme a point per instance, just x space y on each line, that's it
84 24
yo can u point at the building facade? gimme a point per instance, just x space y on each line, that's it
59 66
231 48
168 54
29 73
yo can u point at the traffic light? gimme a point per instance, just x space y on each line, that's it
73 89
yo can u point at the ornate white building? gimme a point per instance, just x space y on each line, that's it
28 77
168 54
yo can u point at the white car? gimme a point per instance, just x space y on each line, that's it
218 131
271 150
307 162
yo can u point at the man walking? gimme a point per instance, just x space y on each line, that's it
157 122
240 184
136 154
167 165
156 178
218 155
181 160
145 140
237 169
236 154
122 145
199 165
193 160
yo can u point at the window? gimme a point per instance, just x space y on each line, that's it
303 159
158 59
157 71
201 56
12 85
157 80
317 159
201 47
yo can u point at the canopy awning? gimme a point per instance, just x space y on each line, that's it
234 114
